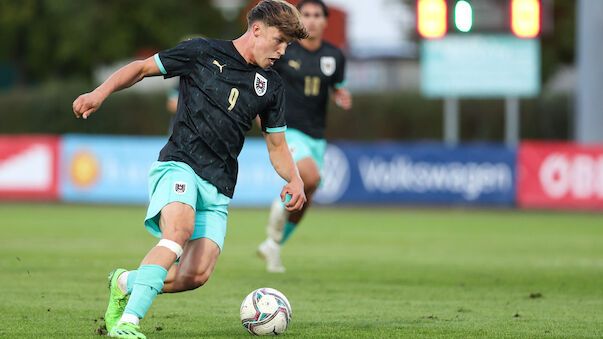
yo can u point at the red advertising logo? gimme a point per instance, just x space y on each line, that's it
28 167
560 175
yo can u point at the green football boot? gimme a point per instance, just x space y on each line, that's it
126 330
117 301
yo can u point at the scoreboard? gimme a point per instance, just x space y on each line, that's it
472 49
436 18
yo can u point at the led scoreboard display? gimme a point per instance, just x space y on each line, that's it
436 18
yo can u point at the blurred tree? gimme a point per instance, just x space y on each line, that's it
64 38
559 47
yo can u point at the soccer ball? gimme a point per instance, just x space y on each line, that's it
265 311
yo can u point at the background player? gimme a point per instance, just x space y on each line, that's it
223 85
310 69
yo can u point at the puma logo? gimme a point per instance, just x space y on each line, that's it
294 64
218 64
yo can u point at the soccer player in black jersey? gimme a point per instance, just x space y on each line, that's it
310 69
223 86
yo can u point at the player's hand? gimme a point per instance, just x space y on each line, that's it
342 98
85 104
293 195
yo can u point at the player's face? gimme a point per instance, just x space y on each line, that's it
270 44
314 19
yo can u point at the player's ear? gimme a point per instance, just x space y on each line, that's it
256 29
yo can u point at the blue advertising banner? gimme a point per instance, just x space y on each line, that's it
107 169
418 173
114 169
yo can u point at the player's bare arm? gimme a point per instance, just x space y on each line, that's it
283 163
342 98
125 77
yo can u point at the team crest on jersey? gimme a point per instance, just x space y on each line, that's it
260 84
180 187
327 65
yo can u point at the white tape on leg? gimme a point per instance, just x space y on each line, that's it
171 245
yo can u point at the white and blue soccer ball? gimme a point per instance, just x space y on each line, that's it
265 311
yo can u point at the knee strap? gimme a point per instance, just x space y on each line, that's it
170 245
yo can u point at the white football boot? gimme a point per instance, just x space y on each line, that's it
271 251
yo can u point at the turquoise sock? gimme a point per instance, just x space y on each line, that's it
149 281
289 228
131 279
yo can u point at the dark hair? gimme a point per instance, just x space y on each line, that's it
279 14
325 10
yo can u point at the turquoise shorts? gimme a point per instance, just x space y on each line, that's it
171 181
303 146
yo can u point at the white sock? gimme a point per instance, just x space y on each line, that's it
129 318
122 282
273 243
276 221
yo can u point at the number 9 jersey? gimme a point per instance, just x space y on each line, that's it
220 96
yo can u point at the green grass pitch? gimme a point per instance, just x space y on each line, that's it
351 273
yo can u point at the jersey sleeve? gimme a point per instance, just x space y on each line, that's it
273 118
179 60
339 76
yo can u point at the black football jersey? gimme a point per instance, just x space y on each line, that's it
220 96
308 77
